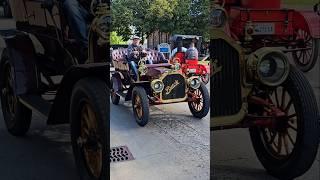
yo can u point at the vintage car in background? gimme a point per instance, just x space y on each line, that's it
152 81
257 88
40 73
257 24
191 67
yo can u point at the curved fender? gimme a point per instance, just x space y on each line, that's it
309 21
116 81
19 48
59 113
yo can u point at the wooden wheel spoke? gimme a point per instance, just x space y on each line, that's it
279 147
286 144
276 97
292 127
272 137
288 106
290 138
283 97
292 115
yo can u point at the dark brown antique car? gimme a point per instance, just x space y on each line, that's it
39 72
155 82
258 89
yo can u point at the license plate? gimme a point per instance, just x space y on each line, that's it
263 28
192 70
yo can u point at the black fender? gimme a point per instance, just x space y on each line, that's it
116 79
59 113
18 48
144 84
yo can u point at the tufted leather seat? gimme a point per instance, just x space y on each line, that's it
119 54
154 56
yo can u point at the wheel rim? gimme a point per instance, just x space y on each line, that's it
91 140
197 104
138 106
8 97
280 140
304 57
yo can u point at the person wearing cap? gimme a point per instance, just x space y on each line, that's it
134 48
133 54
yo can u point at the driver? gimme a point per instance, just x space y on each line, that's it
133 53
78 18
134 48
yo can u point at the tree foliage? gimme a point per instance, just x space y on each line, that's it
142 17
115 39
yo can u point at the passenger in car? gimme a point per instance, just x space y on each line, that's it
179 48
192 52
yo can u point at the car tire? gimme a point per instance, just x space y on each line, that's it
89 109
205 101
314 55
305 148
17 116
140 105
115 98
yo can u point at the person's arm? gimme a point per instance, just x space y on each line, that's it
173 52
130 51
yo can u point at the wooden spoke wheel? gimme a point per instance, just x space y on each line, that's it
140 105
17 116
200 103
91 140
280 141
307 56
288 146
197 104
89 112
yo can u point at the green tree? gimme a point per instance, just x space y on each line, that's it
115 39
142 17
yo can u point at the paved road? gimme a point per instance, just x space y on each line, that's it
233 155
44 154
172 146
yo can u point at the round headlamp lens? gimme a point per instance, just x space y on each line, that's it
195 83
157 86
272 69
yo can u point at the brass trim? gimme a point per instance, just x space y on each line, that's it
178 99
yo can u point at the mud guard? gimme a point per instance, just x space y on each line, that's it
19 49
309 21
59 113
144 84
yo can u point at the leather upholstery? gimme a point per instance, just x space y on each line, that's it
154 56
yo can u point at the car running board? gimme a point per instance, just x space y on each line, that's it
36 104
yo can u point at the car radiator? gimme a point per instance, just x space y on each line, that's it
225 85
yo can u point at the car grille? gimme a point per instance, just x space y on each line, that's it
225 85
174 87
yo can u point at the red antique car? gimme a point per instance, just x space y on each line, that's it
190 67
257 24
